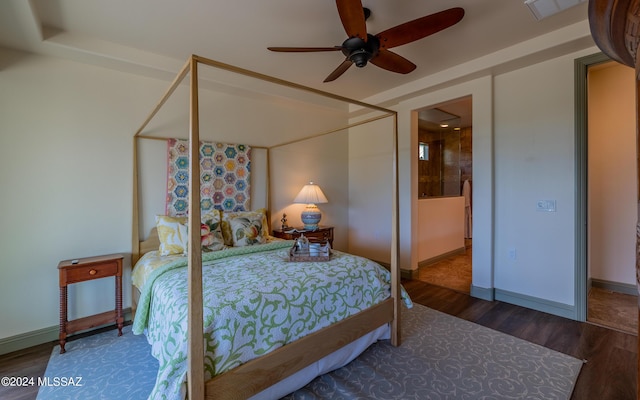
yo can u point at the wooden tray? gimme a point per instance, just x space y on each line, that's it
317 251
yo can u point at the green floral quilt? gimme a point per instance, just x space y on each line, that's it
255 301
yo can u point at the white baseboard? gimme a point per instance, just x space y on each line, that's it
482 293
535 303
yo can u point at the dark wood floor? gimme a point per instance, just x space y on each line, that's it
609 373
605 308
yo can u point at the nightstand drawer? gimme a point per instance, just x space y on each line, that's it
322 234
87 272
319 236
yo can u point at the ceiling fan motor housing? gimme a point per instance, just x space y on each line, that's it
360 52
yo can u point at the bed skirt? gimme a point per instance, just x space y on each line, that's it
333 361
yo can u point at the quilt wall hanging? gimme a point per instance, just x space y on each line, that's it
224 177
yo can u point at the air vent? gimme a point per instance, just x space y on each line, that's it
545 8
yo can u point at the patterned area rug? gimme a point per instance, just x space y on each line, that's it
441 357
444 357
103 366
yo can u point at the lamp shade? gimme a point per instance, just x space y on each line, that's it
311 195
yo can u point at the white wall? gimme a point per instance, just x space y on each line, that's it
535 160
66 166
612 174
65 162
370 189
440 226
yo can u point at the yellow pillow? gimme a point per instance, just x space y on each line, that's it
227 216
172 232
174 237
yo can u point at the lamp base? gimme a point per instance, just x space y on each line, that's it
311 217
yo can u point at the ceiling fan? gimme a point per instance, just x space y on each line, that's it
362 47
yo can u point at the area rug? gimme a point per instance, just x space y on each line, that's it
104 366
444 357
441 357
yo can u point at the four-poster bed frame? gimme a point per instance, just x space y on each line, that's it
256 375
615 27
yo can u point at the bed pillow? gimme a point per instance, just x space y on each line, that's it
247 230
211 232
227 216
172 232
174 237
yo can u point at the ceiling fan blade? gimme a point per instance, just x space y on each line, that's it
342 68
304 49
392 62
419 28
352 17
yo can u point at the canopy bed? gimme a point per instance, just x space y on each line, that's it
615 29
379 300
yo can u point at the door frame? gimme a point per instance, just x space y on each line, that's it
581 67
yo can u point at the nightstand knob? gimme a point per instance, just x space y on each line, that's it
93 272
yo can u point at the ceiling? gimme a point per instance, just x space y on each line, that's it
155 37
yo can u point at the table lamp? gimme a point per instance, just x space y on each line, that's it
311 195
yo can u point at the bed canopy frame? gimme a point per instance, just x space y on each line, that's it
256 375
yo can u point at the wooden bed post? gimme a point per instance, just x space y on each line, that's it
395 241
268 199
135 228
616 30
195 357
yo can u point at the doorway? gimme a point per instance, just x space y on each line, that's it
609 195
445 178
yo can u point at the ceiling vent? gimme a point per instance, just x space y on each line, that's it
545 8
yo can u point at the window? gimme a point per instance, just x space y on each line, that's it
423 151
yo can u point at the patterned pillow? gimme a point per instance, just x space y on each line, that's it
247 230
227 216
174 237
172 232
211 232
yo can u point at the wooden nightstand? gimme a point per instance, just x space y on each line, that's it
86 269
320 234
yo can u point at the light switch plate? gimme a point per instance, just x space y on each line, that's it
546 205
